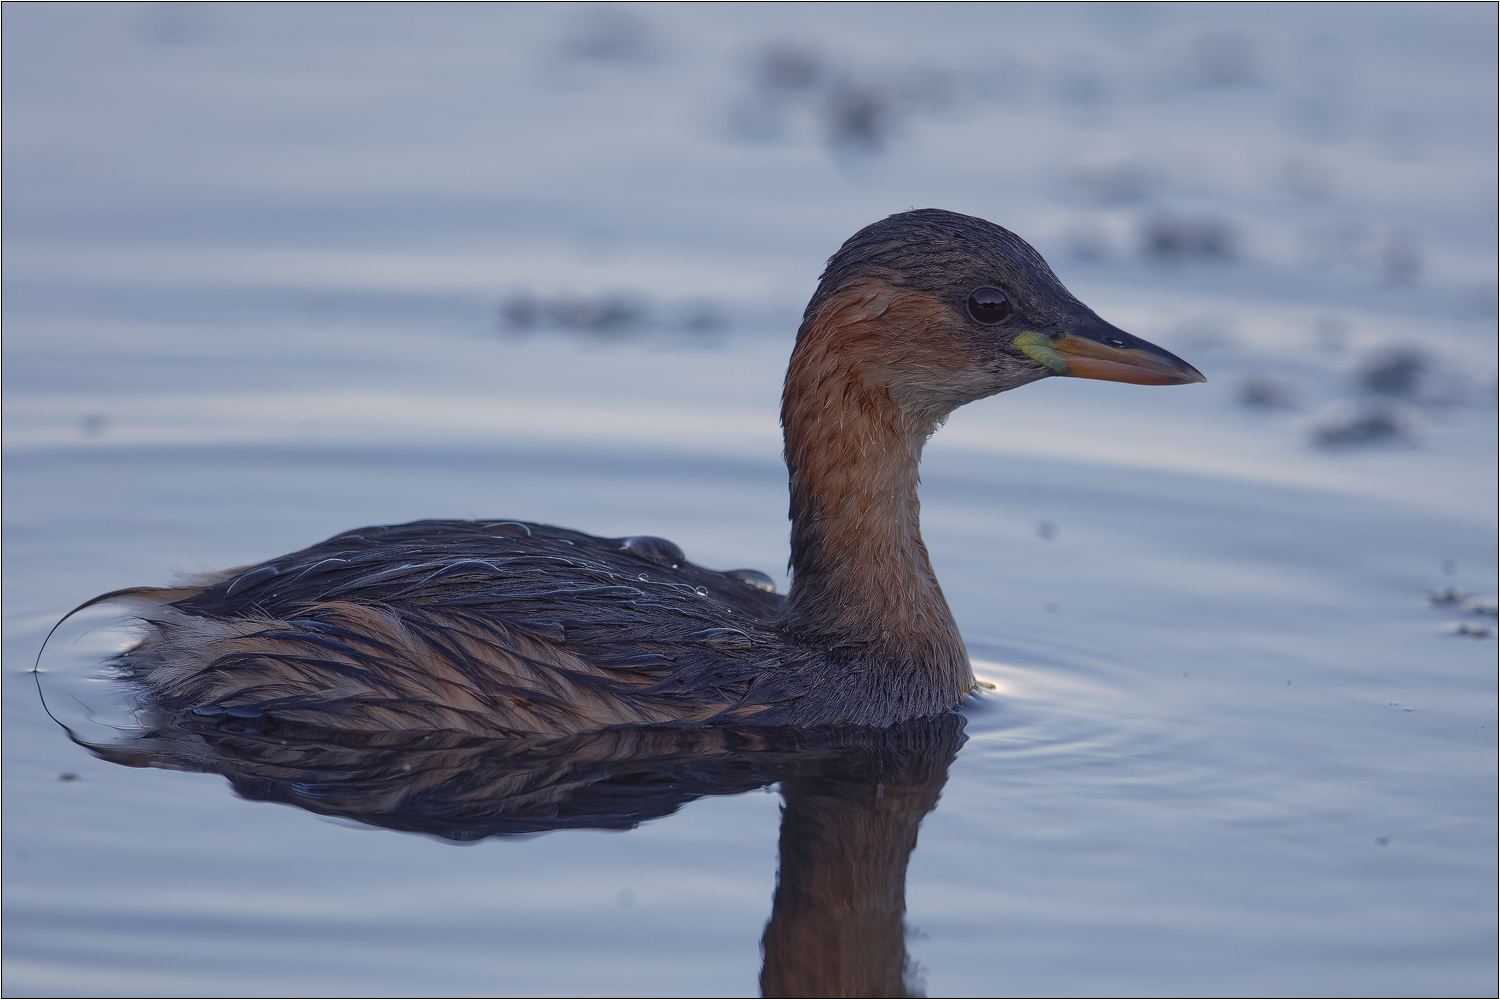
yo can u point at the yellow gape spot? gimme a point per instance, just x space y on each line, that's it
1038 347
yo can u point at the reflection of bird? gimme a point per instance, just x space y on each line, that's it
512 629
460 786
855 797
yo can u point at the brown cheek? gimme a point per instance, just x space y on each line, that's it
875 324
882 345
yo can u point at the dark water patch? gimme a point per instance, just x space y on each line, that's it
613 316
1224 59
1398 372
855 109
1471 630
1452 597
1170 238
1259 392
176 25
1120 183
1370 427
612 35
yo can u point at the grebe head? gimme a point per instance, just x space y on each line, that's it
915 316
939 309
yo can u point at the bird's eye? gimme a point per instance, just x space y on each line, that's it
989 305
1114 341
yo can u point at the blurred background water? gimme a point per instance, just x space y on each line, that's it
274 271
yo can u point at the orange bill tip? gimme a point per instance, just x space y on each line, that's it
1137 362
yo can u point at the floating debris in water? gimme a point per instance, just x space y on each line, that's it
854 109
1119 183
700 317
1224 60
603 314
611 35
1367 428
1261 393
857 116
1452 597
1446 596
609 316
781 76
789 69
1168 238
1401 258
176 24
1397 372
1482 606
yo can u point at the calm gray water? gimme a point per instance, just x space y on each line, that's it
273 272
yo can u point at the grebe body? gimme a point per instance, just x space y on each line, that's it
505 628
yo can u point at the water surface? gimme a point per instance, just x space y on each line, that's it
267 279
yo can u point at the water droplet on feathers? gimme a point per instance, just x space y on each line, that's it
661 551
753 578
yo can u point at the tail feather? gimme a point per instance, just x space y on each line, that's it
158 595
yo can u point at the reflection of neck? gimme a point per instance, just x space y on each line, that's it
836 927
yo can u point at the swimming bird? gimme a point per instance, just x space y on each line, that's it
513 629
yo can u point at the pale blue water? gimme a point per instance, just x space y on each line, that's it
255 265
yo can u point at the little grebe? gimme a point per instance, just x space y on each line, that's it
510 629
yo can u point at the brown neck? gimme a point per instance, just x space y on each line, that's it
862 585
